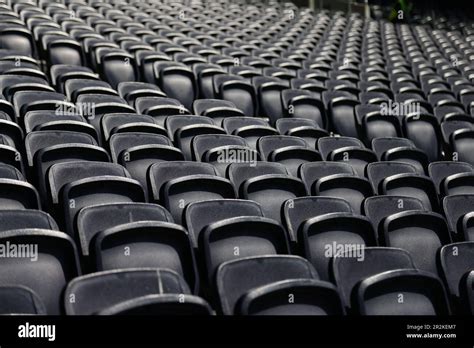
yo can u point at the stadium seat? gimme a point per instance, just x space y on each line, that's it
249 128
47 278
457 263
266 183
176 184
412 230
151 244
236 278
423 294
20 300
290 151
164 305
221 150
187 149
350 271
75 185
458 209
109 288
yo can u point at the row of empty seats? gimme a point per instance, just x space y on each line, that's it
236 158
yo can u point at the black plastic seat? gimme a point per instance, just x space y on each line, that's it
301 104
11 133
25 101
461 183
458 209
116 66
176 184
97 218
313 297
6 108
266 183
160 108
310 173
249 128
20 300
42 120
189 59
446 110
255 62
75 185
216 108
96 292
161 305
146 60
290 151
412 185
236 278
151 244
327 145
5 116
448 128
246 72
377 172
310 84
462 143
443 172
57 264
125 122
303 128
131 91
299 210
235 237
362 110
323 237
378 208
423 294
341 113
137 151
470 290
11 84
413 101
400 150
424 131
415 231
374 96
22 69
349 271
352 188
199 215
26 219
457 261
358 158
62 50
9 172
18 194
45 148
221 150
281 73
177 81
269 97
377 125
102 104
183 128
205 76
467 99
60 73
17 38
75 87
238 91
9 154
